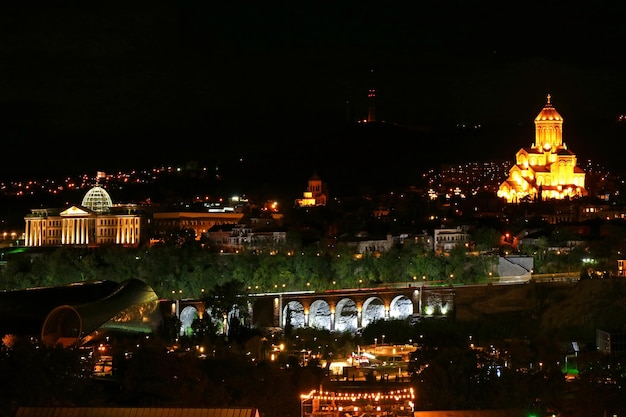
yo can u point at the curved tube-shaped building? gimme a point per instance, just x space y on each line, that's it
22 312
132 307
75 313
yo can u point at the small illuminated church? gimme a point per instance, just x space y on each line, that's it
547 170
315 195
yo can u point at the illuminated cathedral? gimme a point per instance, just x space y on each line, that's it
547 170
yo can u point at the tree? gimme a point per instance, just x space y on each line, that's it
395 331
486 238
226 303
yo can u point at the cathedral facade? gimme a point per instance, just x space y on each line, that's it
548 169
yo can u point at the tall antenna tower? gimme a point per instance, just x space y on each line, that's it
371 112
371 99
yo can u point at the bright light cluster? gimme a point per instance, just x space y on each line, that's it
405 393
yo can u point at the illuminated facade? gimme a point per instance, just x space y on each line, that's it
199 222
315 195
547 170
444 240
97 221
394 403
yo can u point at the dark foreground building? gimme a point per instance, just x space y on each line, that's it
74 314
134 412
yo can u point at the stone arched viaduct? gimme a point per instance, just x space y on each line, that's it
357 308
336 310
346 310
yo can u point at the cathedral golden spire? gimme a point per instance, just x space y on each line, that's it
548 169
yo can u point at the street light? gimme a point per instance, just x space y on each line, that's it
303 399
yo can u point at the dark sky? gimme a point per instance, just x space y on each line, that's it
100 85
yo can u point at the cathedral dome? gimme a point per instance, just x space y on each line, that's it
97 200
548 113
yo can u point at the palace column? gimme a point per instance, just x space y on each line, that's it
74 231
63 231
31 233
81 227
28 232
39 226
134 234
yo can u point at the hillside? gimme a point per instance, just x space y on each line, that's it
567 311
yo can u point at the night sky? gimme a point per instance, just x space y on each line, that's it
105 85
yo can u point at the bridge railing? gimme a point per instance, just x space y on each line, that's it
556 277
500 280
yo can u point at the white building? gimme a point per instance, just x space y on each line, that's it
237 237
97 221
447 239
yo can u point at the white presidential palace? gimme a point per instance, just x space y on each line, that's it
96 222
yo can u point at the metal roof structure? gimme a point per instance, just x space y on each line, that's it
134 412
23 312
97 200
471 413
72 314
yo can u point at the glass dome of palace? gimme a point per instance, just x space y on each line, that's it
97 200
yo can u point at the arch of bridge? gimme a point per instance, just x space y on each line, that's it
347 310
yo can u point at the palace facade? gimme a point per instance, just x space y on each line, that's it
97 221
547 170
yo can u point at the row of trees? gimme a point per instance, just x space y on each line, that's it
189 271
